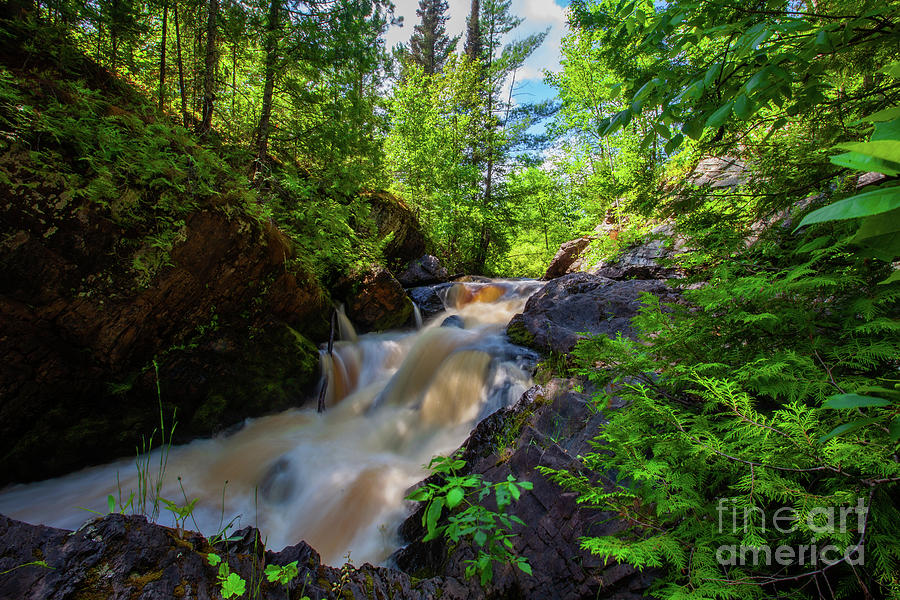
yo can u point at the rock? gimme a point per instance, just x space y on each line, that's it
719 172
378 302
121 557
513 442
428 299
556 315
425 270
645 260
568 253
393 217
79 333
454 321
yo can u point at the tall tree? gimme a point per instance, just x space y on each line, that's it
210 66
273 25
473 32
430 45
162 56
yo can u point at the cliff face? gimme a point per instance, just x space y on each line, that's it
225 318
124 242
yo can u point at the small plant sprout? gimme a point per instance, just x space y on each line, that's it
181 513
230 584
489 530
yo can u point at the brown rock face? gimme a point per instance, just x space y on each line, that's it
568 253
391 215
378 302
78 335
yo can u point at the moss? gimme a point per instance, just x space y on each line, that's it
518 334
140 581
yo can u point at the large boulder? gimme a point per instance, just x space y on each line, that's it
567 255
428 299
558 314
377 301
80 329
425 270
394 218
547 427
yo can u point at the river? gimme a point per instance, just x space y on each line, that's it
336 479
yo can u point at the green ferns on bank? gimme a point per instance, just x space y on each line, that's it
728 421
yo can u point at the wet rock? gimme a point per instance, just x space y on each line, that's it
454 321
568 253
428 299
548 427
393 217
555 317
425 270
378 302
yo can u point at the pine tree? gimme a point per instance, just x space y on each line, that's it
430 45
473 33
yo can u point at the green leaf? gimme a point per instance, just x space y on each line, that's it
892 69
884 149
674 143
111 503
854 401
894 429
743 108
454 497
861 162
234 585
886 131
433 514
846 428
895 277
213 558
863 205
419 494
881 233
480 537
524 567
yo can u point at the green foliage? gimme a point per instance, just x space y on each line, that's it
460 498
282 574
230 583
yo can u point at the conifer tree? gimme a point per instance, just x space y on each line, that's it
473 33
430 45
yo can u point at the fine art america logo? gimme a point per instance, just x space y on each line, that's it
820 521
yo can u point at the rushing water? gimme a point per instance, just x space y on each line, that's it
337 479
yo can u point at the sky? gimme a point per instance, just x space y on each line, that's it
538 15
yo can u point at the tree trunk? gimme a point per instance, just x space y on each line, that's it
162 58
209 72
262 132
184 113
473 34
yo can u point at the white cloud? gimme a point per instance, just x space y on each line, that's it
538 15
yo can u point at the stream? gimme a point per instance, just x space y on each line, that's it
337 479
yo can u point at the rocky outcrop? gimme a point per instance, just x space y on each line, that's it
80 329
428 299
650 259
568 253
377 302
548 427
118 558
425 270
392 217
557 315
